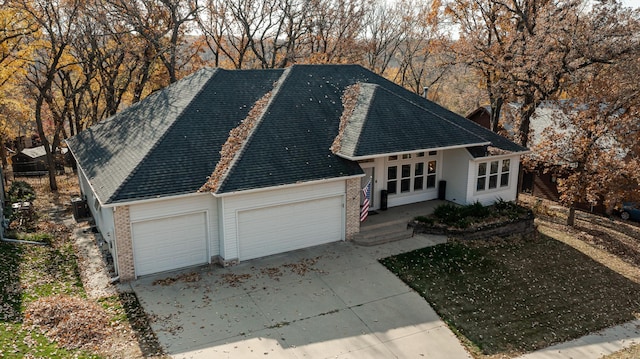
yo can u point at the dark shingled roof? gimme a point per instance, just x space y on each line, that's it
169 143
383 122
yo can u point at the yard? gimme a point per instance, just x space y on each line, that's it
508 296
45 310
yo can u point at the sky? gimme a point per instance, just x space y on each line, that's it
632 3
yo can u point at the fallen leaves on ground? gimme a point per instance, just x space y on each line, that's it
72 322
303 266
233 279
186 278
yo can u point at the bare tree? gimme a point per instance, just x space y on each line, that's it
56 23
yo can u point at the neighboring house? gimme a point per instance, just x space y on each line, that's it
32 161
540 182
226 166
481 116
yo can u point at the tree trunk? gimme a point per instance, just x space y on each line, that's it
45 142
496 108
571 219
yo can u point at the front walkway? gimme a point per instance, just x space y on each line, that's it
593 346
400 214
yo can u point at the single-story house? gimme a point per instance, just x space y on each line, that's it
542 181
34 161
225 166
30 160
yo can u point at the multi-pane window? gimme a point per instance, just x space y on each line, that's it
405 182
392 179
504 174
431 174
411 173
490 172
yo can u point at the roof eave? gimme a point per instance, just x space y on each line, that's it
283 186
367 157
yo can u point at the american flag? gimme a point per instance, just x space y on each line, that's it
366 191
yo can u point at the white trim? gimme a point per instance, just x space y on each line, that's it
297 200
498 157
155 199
285 186
356 158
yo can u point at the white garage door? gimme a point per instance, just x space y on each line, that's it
287 227
170 243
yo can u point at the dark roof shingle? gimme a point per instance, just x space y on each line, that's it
170 143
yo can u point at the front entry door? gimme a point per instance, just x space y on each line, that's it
369 174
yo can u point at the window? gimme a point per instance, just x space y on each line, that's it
490 172
392 179
431 174
405 182
504 175
493 175
418 178
411 173
482 176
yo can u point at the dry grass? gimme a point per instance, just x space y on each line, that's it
44 312
507 297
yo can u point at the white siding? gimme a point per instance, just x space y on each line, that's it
486 197
102 216
455 171
233 204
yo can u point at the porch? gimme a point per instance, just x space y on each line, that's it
391 225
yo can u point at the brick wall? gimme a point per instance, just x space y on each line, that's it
353 208
124 245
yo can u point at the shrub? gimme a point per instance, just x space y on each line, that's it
447 213
476 210
20 191
426 220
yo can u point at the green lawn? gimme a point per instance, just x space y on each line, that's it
514 296
29 272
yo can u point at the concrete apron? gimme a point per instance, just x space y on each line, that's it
333 301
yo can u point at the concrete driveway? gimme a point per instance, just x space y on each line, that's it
331 301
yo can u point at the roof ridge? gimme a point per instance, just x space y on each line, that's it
240 136
353 97
214 72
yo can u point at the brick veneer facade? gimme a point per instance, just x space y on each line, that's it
353 208
124 245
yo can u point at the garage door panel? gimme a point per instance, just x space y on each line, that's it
170 243
282 228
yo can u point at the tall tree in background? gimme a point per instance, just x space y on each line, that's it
595 142
163 24
56 22
529 50
15 27
422 59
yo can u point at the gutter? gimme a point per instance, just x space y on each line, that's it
18 241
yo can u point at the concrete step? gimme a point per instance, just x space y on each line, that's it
371 236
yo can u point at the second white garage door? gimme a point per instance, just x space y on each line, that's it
170 243
282 228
